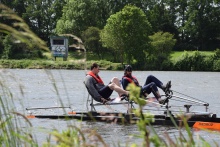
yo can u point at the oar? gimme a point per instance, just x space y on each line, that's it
71 112
36 108
54 107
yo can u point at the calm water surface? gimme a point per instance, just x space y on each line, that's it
47 88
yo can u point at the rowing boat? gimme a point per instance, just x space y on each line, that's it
200 121
204 120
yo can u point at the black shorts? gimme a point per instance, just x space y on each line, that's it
105 92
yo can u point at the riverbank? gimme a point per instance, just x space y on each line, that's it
82 65
52 64
187 61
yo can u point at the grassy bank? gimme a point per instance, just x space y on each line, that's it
175 55
51 64
80 60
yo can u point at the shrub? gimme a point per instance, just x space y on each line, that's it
13 50
8 47
195 62
216 65
184 62
167 65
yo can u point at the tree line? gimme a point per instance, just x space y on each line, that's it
139 32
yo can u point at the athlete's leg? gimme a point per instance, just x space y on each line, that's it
115 85
151 87
158 83
152 78
116 81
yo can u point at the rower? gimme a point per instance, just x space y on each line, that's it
98 90
151 84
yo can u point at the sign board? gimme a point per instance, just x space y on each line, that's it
59 46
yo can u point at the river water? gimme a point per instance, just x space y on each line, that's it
47 88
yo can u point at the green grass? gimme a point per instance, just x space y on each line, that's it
176 54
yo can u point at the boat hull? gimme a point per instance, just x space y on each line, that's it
126 118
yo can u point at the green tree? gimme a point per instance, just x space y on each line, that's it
162 17
126 32
16 33
202 25
78 15
42 16
16 5
14 50
92 41
8 47
162 44
181 12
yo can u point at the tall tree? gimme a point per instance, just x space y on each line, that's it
162 45
42 15
202 25
17 33
92 41
162 17
181 10
127 33
78 15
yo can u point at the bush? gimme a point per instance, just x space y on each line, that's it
8 47
161 47
167 65
183 63
196 62
208 64
217 53
216 65
13 50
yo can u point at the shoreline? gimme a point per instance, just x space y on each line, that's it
69 65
